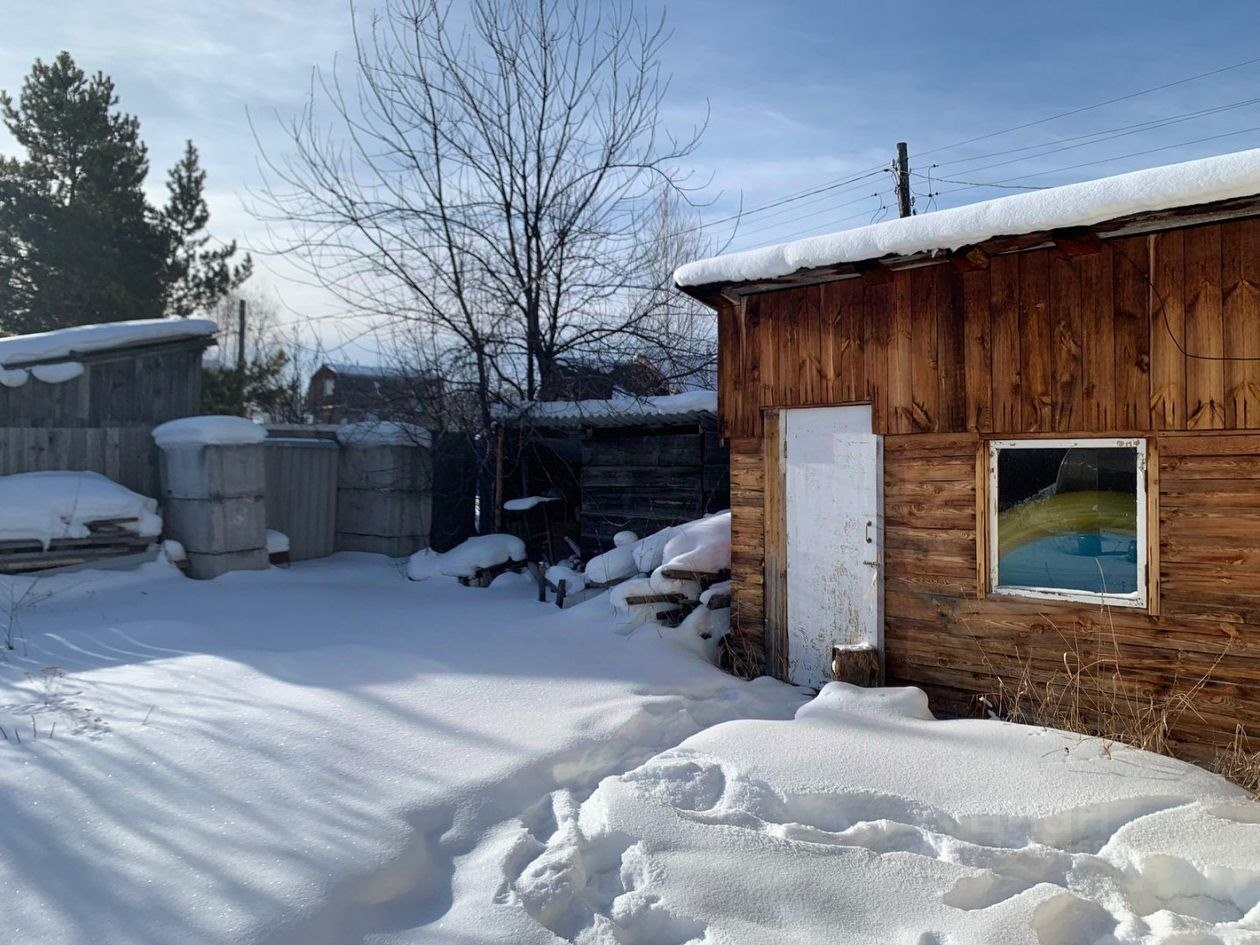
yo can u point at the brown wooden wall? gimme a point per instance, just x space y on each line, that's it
1121 341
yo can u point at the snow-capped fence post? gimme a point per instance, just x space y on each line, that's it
384 488
213 482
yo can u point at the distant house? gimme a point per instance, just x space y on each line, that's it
1009 441
576 381
350 393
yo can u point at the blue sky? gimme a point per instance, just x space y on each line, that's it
798 93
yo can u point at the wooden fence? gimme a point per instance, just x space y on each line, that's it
125 454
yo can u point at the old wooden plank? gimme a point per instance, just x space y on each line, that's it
923 410
900 406
1067 320
1004 307
1240 289
1036 343
775 545
1098 349
1130 274
1204 329
977 363
1168 363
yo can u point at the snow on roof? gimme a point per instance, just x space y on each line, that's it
365 370
85 339
1159 188
620 410
208 431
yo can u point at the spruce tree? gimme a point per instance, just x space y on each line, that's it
200 276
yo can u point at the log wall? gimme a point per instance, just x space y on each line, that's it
1119 341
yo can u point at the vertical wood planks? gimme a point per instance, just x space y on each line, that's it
900 394
1098 345
1131 332
1205 372
776 642
1068 386
1036 340
1004 309
978 366
1168 330
1240 290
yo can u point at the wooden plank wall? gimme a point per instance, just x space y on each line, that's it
125 454
116 389
1120 341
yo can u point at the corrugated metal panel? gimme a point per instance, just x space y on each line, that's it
302 494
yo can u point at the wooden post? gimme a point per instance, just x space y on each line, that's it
903 179
857 665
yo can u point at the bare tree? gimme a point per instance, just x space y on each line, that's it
504 193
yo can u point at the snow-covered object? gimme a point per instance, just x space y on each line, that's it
277 542
44 506
57 373
371 433
703 545
635 587
622 408
649 552
919 831
624 538
1158 188
66 343
612 565
574 581
174 551
464 560
720 589
208 431
15 377
527 503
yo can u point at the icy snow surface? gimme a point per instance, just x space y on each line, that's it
84 339
43 506
370 433
209 431
1158 188
332 755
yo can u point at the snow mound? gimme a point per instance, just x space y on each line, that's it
1159 188
14 378
277 542
920 831
703 545
208 431
613 565
46 506
65 343
464 560
371 433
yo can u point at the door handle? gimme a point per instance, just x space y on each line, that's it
869 539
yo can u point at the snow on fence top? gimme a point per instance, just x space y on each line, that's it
382 433
208 431
1159 188
66 343
618 411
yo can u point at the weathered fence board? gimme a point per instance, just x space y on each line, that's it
125 454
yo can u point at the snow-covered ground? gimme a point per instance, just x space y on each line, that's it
332 754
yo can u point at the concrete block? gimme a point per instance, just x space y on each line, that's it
401 468
395 546
211 472
215 526
371 512
203 567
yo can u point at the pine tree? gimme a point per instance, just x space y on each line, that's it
79 243
201 276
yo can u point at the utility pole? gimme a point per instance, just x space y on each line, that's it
240 339
903 179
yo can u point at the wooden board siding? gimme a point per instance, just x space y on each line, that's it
1123 340
941 635
127 454
1039 341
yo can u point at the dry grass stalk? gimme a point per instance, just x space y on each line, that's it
1090 696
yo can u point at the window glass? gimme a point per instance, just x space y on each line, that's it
1068 518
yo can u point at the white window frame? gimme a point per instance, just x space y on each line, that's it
1136 599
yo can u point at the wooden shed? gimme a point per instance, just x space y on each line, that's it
637 463
86 398
1008 442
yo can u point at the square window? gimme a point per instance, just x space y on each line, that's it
1067 519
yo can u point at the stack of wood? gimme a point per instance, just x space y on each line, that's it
108 538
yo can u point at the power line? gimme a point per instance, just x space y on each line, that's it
1086 108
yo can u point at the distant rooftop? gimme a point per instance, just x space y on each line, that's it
621 410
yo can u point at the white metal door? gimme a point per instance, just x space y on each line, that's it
834 536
